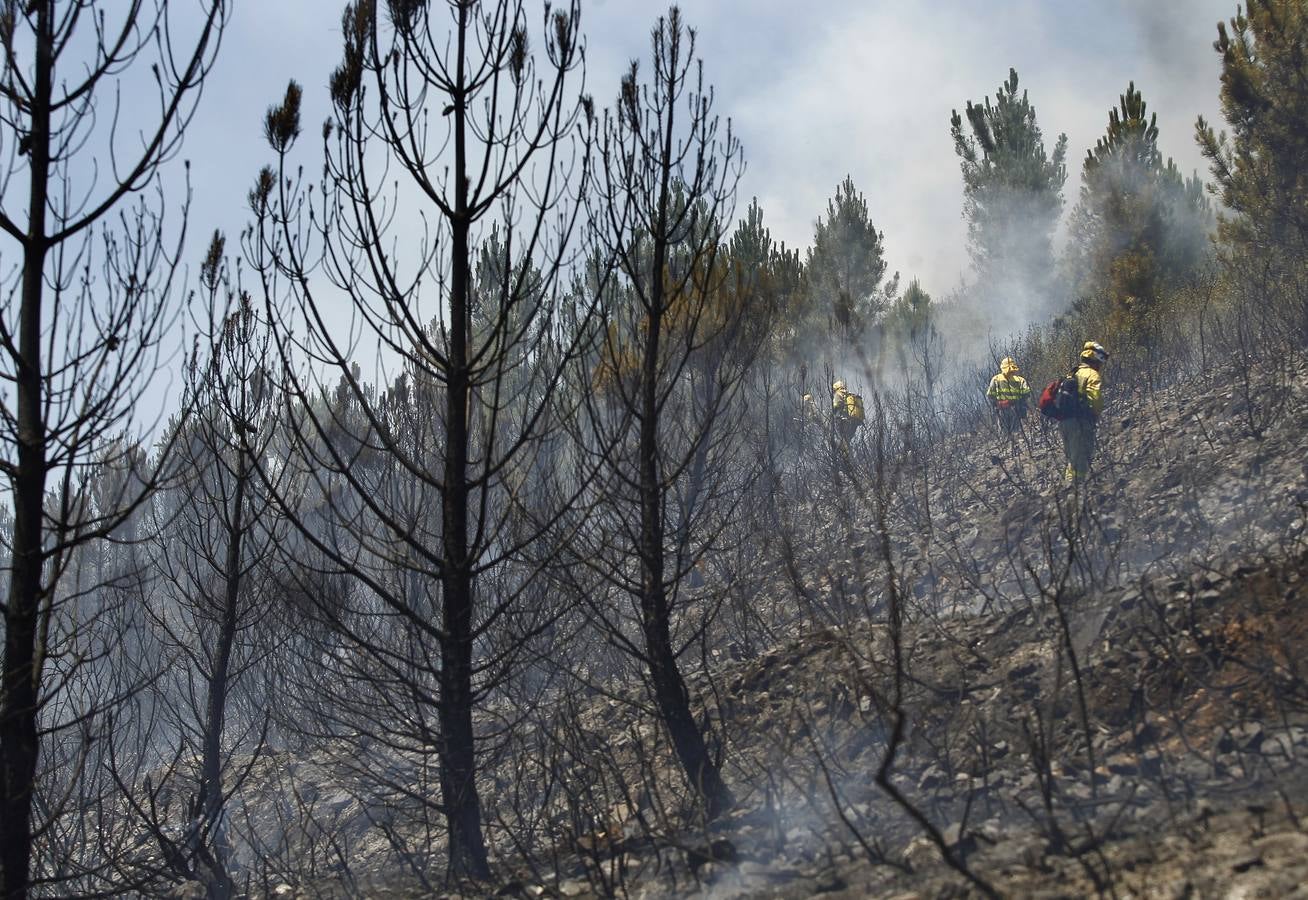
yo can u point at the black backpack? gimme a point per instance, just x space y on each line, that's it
1061 399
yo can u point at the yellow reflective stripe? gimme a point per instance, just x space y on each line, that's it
1002 388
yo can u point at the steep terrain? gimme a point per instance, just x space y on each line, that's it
1100 690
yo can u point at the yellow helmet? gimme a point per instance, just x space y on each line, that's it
838 386
1093 350
1008 366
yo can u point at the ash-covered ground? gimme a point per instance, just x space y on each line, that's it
985 681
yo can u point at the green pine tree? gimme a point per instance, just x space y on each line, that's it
756 264
845 268
1261 168
1140 227
910 329
1012 192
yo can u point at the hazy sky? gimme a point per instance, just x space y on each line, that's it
815 91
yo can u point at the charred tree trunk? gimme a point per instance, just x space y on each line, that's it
507 133
73 399
674 701
670 692
23 653
209 801
458 763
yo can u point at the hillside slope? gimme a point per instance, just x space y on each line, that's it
1099 690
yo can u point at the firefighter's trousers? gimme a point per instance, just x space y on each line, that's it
1078 444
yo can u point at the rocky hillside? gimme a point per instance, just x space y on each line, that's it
980 681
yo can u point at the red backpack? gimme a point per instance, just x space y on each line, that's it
1061 399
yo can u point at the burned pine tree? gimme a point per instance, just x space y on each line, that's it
418 481
83 325
213 553
682 325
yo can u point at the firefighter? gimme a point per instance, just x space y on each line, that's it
1008 393
847 410
1078 428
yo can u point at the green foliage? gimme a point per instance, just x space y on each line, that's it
910 314
1141 227
769 273
910 329
1261 168
772 274
846 265
1012 190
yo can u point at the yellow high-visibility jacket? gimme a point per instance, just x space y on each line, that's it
1091 388
1012 388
